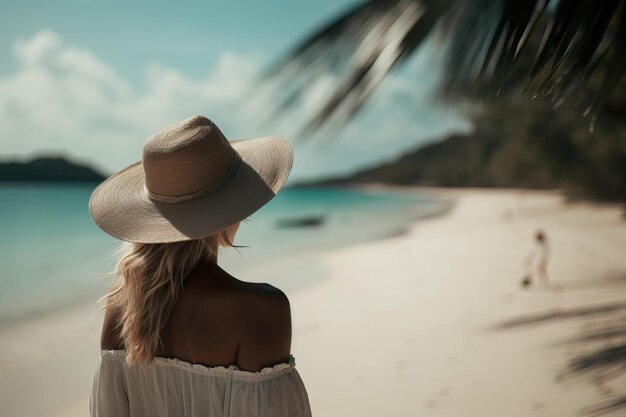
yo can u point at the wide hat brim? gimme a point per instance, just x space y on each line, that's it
120 205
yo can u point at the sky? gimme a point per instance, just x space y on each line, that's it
93 80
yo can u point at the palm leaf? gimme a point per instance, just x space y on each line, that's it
488 44
359 49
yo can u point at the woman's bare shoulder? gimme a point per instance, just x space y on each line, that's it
268 337
258 324
205 286
261 302
267 293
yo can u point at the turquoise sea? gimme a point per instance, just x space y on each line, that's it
52 255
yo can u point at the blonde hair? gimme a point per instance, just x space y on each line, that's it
149 280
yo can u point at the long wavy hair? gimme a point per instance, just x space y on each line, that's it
149 280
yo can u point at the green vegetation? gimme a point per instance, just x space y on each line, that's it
520 142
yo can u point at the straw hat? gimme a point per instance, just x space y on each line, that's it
190 183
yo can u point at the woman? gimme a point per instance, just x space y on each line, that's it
182 337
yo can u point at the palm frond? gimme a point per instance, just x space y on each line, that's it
357 50
488 41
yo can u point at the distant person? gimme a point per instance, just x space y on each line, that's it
181 336
537 261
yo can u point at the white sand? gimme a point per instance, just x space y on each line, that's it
429 323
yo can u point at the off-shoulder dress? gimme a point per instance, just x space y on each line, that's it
170 387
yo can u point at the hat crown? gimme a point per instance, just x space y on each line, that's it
186 159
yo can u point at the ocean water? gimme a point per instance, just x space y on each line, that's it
52 255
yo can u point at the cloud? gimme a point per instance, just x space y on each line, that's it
63 99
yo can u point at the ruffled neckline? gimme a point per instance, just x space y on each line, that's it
221 371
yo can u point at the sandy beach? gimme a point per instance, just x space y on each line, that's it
430 322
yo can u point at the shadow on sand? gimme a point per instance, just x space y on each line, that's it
561 314
607 407
605 361
600 347
615 279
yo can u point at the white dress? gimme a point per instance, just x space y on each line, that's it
171 388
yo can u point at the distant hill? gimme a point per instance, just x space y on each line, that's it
48 170
523 144
458 161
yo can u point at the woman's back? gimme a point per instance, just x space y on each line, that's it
225 346
221 321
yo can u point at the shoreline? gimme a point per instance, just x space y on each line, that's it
15 312
428 321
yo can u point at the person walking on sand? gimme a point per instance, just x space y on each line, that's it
181 336
537 261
